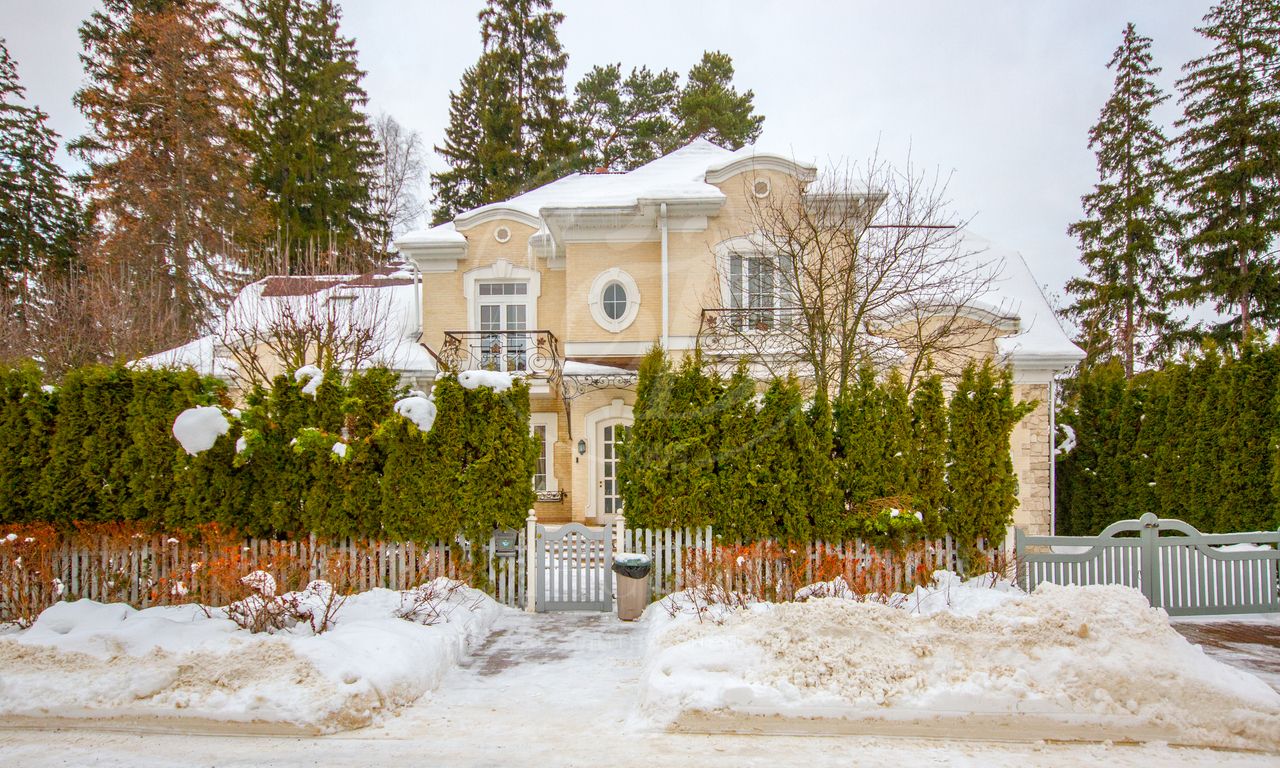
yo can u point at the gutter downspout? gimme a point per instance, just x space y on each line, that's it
417 300
666 280
1053 456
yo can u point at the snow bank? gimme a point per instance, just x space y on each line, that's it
1067 653
88 659
197 429
419 410
498 381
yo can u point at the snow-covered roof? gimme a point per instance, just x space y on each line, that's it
1041 339
685 175
201 356
385 300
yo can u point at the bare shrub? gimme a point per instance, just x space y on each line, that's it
264 611
435 601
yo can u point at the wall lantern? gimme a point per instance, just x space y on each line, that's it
582 447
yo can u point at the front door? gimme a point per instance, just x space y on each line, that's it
608 494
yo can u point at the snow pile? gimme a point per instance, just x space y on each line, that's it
419 410
1070 653
88 659
197 429
310 377
498 381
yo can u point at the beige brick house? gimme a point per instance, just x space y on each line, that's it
575 281
571 284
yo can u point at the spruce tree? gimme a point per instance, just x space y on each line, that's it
1128 232
166 167
509 125
1228 176
38 215
312 145
711 108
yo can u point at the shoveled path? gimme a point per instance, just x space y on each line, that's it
1253 646
557 690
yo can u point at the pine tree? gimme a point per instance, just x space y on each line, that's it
626 122
1228 174
1128 229
166 167
711 108
313 147
38 215
509 123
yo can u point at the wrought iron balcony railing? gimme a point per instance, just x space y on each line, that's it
536 353
749 319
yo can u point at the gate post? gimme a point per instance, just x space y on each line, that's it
1148 557
531 562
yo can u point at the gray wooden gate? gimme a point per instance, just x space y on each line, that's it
574 568
1187 573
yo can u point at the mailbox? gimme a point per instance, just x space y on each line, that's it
505 542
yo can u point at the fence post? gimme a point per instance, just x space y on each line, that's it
1149 559
530 561
619 525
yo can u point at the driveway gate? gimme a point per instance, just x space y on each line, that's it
1187 573
574 568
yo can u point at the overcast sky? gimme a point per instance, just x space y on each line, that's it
999 94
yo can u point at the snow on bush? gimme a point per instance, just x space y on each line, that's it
197 429
310 377
1095 653
419 410
498 381
91 659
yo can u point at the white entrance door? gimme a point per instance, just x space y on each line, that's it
608 494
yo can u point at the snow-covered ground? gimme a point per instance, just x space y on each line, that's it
563 690
1077 662
86 659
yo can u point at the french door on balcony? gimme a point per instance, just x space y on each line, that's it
504 313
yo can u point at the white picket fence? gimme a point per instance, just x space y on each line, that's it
145 570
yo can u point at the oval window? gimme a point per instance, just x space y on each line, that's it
614 300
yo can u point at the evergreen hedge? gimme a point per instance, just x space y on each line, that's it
337 463
708 450
1198 440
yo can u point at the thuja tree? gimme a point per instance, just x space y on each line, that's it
984 487
668 458
423 470
927 457
741 479
495 486
26 416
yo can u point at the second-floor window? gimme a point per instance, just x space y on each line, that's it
761 286
504 312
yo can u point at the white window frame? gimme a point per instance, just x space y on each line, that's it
501 271
595 300
741 249
550 423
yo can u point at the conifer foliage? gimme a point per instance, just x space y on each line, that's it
337 462
1127 237
166 167
709 451
627 122
38 215
1228 173
312 145
509 123
1198 440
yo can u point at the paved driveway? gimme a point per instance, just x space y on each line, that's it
1253 646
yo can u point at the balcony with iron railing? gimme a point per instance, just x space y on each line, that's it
533 353
746 331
